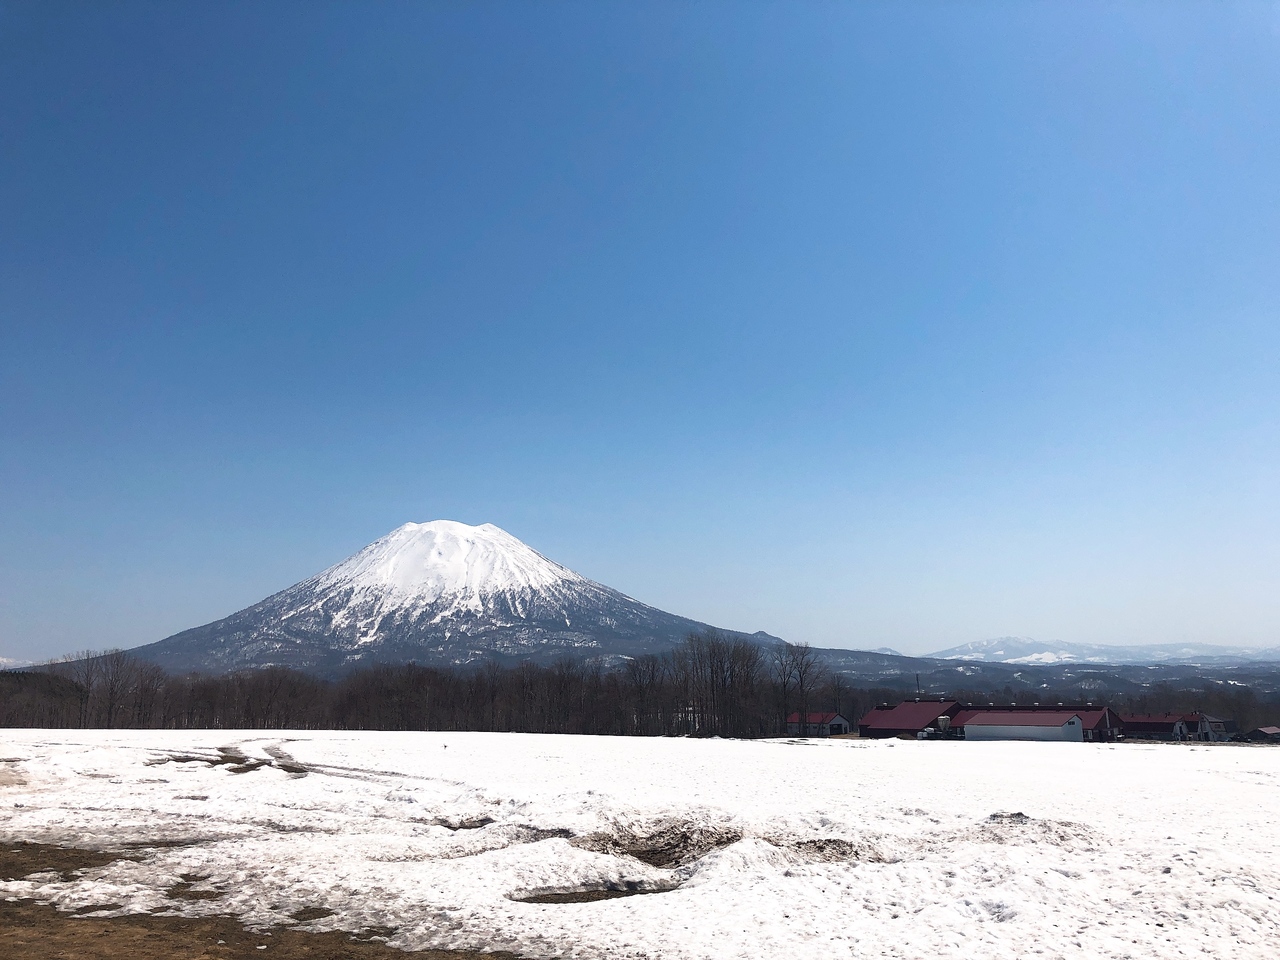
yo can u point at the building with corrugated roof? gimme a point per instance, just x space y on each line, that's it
1154 726
1020 722
947 718
911 717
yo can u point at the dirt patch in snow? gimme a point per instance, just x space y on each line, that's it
18 860
1018 828
832 849
236 761
34 931
473 823
669 843
38 931
591 896
187 890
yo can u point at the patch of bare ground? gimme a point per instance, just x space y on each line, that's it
18 860
581 896
609 892
186 889
38 931
34 931
833 849
671 843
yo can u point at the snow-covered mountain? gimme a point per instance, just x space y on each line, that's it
435 593
1025 650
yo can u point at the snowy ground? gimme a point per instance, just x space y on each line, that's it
816 849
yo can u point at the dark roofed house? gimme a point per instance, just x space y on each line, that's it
818 725
911 717
1154 726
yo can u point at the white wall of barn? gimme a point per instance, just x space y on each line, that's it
1071 731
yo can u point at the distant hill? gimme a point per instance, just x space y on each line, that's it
1024 650
936 676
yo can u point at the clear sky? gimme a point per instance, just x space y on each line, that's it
864 324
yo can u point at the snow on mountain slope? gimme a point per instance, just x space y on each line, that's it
1025 650
436 593
448 568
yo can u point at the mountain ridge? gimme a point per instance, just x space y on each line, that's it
442 593
1029 651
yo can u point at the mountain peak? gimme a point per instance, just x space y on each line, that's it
444 559
437 592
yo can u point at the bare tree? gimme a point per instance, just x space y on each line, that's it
809 672
119 670
84 669
782 667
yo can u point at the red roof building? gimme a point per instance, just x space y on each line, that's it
911 717
1154 726
1017 722
947 718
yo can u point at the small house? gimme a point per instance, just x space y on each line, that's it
1265 735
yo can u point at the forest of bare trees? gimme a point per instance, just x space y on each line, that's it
711 685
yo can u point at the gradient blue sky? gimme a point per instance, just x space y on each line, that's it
863 324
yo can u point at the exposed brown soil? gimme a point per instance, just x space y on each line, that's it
583 896
185 891
36 931
670 844
18 860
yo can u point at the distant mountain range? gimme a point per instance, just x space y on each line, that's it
439 593
1024 650
448 594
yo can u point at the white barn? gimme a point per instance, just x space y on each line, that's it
1038 725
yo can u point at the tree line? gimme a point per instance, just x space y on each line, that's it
710 685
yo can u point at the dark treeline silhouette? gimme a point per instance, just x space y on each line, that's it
711 685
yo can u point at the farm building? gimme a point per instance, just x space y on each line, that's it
948 719
1154 726
1265 735
818 725
1042 725
1087 723
1201 726
912 717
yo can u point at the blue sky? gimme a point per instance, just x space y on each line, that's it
863 324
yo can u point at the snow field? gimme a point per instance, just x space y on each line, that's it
820 849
